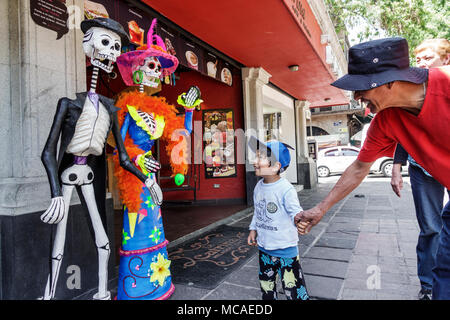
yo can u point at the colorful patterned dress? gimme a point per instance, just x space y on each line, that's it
144 271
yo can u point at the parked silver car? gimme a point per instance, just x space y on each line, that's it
337 159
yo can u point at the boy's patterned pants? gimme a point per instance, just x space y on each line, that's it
290 273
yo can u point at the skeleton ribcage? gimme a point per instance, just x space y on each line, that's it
149 121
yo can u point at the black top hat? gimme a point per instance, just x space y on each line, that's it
374 63
106 23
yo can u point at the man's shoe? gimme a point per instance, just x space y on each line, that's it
425 294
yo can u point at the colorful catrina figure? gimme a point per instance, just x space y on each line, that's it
144 272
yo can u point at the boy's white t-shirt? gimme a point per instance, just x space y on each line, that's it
276 205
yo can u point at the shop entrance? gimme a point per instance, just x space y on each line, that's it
203 198
209 193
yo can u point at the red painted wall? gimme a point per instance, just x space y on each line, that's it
215 95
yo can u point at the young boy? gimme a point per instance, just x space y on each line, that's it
272 228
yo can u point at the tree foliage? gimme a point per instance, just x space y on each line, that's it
415 20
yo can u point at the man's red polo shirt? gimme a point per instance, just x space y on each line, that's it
425 137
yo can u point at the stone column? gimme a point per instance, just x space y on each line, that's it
37 70
306 166
253 81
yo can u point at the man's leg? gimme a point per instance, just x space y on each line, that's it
441 271
428 195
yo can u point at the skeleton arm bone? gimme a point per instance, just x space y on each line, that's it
124 159
144 161
55 212
126 163
48 156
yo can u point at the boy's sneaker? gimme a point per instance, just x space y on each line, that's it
425 294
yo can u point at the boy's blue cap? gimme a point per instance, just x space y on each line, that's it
279 149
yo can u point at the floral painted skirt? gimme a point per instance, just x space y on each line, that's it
144 271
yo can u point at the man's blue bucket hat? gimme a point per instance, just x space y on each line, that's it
278 149
374 63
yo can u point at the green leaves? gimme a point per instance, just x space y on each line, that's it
415 20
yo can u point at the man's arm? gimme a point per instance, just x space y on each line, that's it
400 157
397 179
350 179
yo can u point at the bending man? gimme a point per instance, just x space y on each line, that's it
413 109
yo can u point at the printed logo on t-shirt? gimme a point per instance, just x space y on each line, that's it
272 207
260 211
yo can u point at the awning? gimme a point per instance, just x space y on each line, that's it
268 34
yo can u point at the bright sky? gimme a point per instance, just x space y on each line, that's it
353 33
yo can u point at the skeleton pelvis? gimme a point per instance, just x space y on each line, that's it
77 175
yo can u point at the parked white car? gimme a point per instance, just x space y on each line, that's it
337 159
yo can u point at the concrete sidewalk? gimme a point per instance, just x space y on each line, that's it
363 248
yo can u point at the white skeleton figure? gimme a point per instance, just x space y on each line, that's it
150 71
103 46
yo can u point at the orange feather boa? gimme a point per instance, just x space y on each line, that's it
129 186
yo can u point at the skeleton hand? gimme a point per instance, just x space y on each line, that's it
191 99
155 191
191 96
151 164
147 163
55 212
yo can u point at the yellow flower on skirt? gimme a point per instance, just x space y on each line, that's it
160 269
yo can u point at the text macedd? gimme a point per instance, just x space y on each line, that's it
234 309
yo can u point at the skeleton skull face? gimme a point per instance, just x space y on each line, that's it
151 71
102 46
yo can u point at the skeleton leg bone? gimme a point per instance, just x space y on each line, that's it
58 245
101 241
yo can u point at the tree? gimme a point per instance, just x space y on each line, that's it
415 20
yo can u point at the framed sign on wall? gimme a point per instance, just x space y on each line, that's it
218 143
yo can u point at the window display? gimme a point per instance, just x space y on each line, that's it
219 146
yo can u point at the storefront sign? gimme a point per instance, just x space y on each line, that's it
194 56
298 11
219 146
50 14
189 53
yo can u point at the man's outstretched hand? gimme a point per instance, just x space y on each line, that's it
305 220
396 179
350 179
